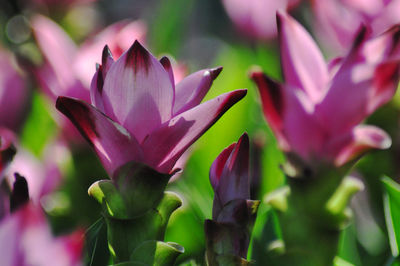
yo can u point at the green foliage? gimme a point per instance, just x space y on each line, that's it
39 127
392 213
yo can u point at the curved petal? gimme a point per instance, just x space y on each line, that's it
113 144
356 92
57 48
364 139
166 63
302 62
96 86
164 146
137 92
219 164
272 101
192 89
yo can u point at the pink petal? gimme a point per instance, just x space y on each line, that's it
355 92
57 48
192 89
273 104
166 63
113 143
218 165
138 92
300 126
164 146
364 139
96 86
302 62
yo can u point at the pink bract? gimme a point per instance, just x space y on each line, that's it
256 18
317 112
139 114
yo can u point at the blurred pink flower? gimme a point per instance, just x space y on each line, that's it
338 21
61 3
256 18
26 239
14 93
138 114
43 175
317 112
68 69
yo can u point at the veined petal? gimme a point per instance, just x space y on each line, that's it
113 143
218 165
302 62
272 101
164 146
192 89
57 48
138 92
364 139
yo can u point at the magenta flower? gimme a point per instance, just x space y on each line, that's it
337 22
68 69
229 175
138 114
26 239
256 18
317 112
228 233
14 93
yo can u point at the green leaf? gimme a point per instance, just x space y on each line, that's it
105 192
39 126
125 235
157 253
391 201
140 186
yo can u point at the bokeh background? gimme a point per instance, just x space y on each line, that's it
197 34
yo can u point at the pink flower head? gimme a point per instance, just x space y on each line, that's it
139 114
14 93
229 174
26 239
338 21
68 69
317 112
256 18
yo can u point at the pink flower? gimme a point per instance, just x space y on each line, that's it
317 112
68 69
233 212
337 22
26 239
14 93
256 18
138 114
229 175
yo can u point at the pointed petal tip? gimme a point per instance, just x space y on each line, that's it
137 57
214 72
165 62
106 54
